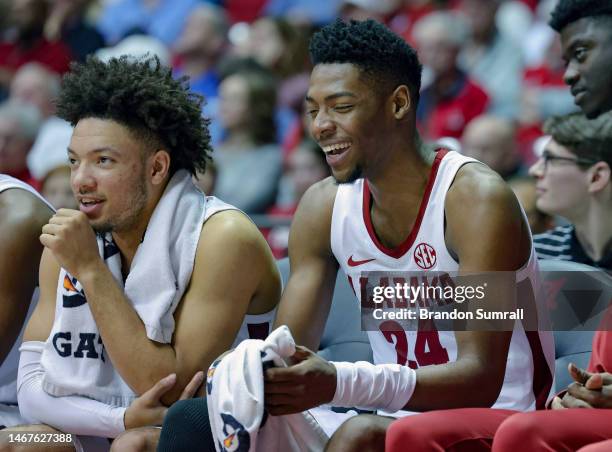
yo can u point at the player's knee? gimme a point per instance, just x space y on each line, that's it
186 427
518 431
360 433
404 432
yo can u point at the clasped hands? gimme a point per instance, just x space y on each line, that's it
589 390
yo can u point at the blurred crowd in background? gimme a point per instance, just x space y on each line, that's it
493 73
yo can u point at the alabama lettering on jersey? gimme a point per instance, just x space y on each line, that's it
528 376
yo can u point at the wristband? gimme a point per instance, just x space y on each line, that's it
364 385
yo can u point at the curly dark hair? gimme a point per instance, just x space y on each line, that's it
141 95
569 11
375 49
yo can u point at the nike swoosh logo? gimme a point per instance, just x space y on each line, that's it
352 263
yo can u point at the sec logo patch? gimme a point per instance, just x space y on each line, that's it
425 256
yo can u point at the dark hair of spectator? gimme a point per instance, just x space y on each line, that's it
588 139
375 49
295 56
143 96
261 89
569 11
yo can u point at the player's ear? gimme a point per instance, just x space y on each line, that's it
160 166
401 102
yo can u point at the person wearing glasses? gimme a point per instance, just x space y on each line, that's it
573 181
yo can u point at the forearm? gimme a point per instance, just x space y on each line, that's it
144 361
72 414
451 385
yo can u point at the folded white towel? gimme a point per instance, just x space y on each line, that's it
235 390
74 359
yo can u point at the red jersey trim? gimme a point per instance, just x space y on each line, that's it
403 247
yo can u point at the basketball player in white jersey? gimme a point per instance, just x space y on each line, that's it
23 212
394 205
138 134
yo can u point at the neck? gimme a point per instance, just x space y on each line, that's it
129 238
594 232
401 181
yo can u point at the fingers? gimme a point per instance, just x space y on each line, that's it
579 375
569 401
192 386
557 404
48 240
594 383
282 374
160 388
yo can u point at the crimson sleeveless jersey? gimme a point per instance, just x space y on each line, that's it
528 376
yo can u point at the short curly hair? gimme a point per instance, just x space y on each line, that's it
569 11
371 46
142 95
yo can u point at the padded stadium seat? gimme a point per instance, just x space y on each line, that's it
342 338
579 282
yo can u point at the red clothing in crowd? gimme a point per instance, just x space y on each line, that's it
447 115
54 55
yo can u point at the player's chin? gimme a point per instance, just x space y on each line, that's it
347 176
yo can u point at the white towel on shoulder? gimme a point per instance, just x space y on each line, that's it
74 358
235 390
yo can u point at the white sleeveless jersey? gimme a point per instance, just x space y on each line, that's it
253 326
528 376
8 368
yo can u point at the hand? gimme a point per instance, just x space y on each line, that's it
568 401
72 240
309 383
149 410
582 376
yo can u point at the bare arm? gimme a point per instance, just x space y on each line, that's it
22 216
231 261
307 298
480 209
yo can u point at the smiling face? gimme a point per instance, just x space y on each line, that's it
108 175
587 51
348 119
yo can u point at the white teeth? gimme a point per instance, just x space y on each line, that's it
332 148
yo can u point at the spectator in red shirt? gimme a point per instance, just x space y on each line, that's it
451 100
28 44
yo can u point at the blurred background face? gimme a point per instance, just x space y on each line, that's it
200 35
561 186
436 51
29 14
265 43
31 86
491 140
234 102
57 190
305 169
480 15
13 147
